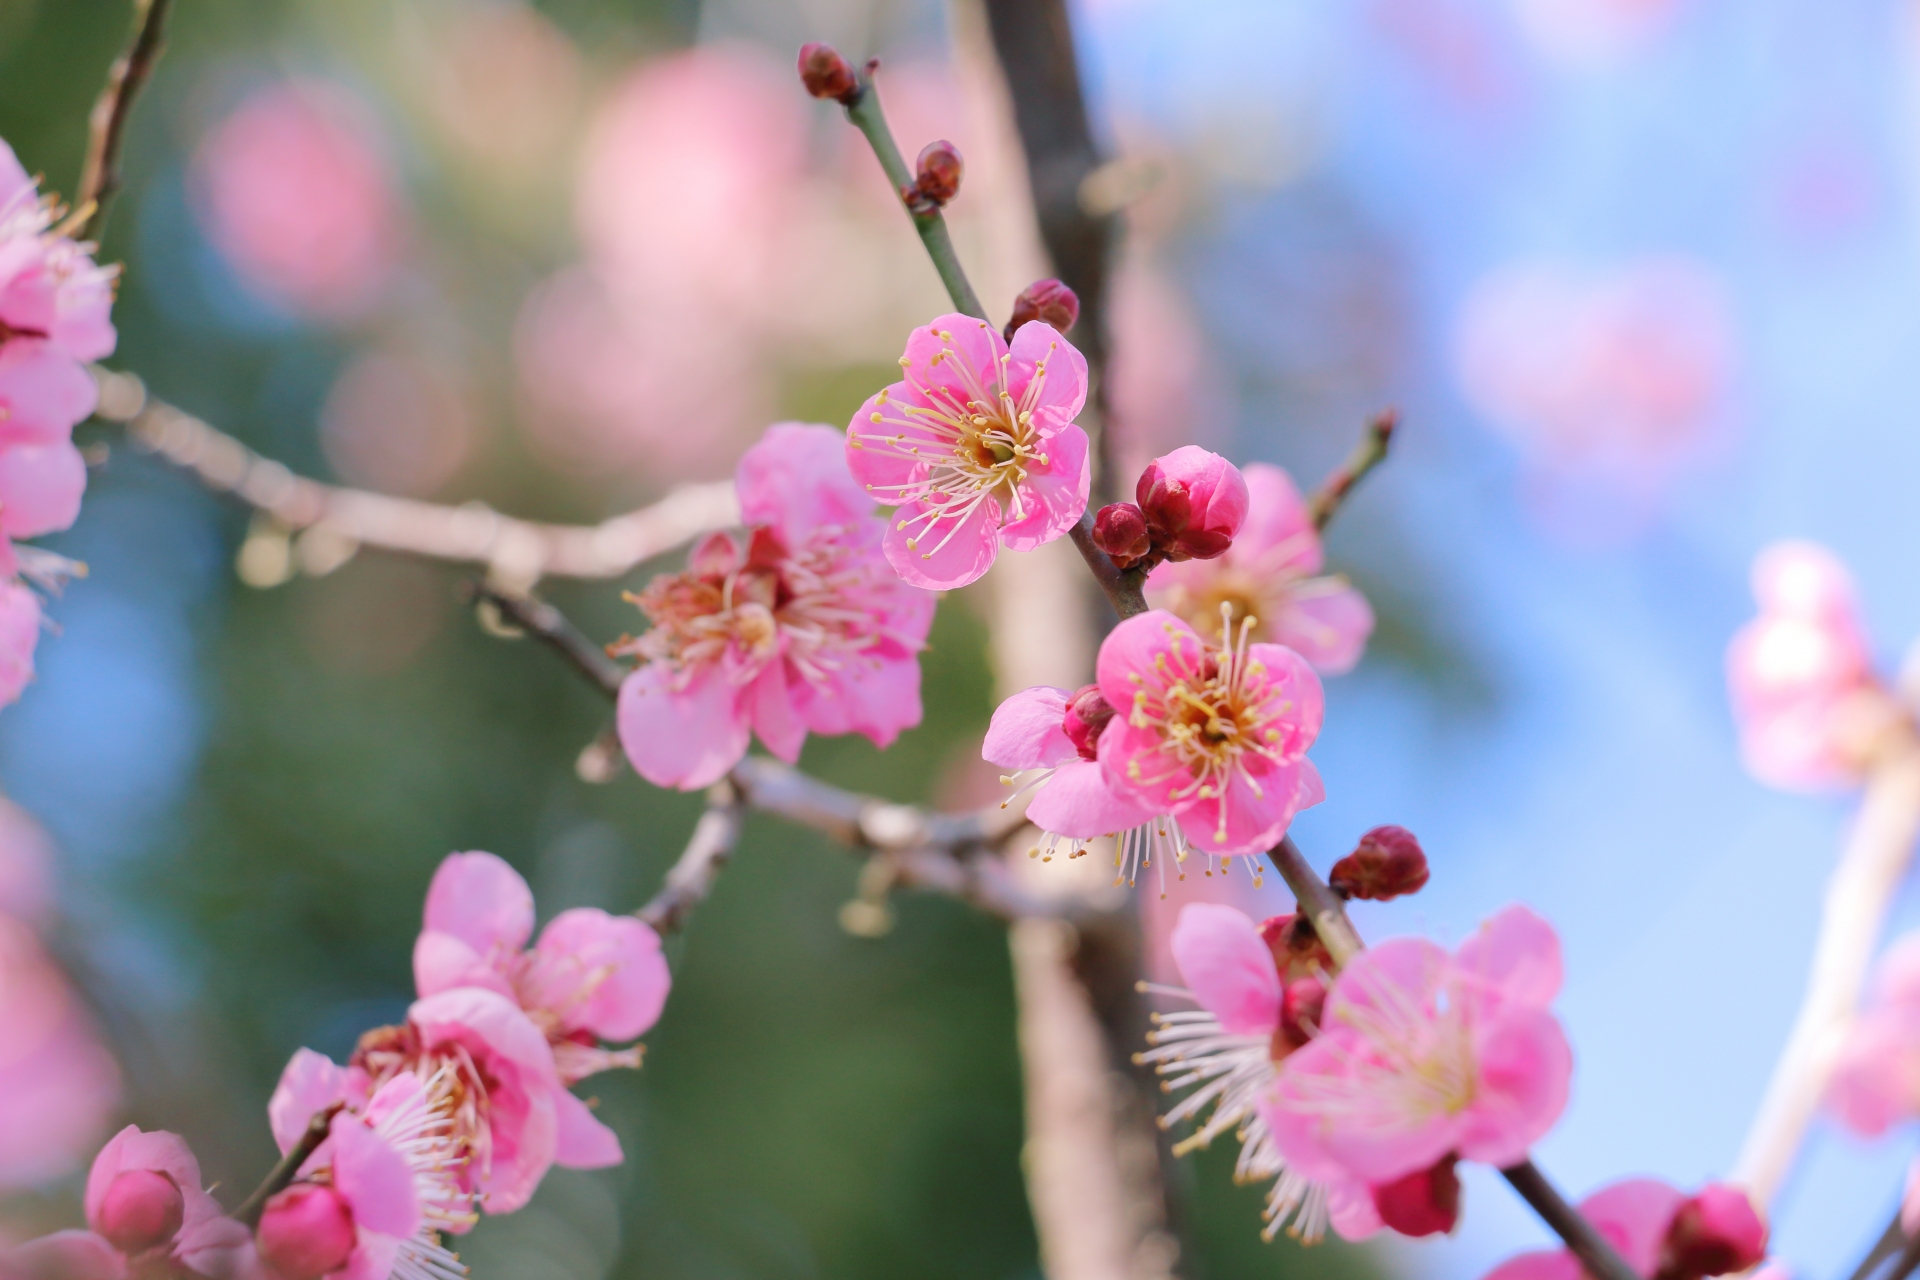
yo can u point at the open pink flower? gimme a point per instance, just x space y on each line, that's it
1255 1008
1216 737
1811 711
1271 574
1876 1076
50 288
1422 1055
976 446
591 977
1660 1232
373 1202
800 629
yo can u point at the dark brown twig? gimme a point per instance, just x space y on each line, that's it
1123 587
107 126
1892 1241
1366 455
289 1167
1601 1260
691 879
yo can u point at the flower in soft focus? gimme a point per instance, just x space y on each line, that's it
826 74
19 635
1216 737
591 977
1422 1055
1810 709
1663 1234
1876 1075
1620 378
1271 574
1050 739
1387 863
1228 1051
147 1214
800 628
294 192
397 423
372 1202
1194 502
976 446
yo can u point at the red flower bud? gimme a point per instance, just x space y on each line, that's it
826 74
1087 714
306 1232
1715 1233
142 1209
937 175
1044 300
1387 864
1195 502
1424 1203
1297 949
1120 530
1301 1005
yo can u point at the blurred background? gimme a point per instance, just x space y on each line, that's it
1640 274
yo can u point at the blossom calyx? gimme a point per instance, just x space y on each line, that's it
828 75
307 1231
1716 1232
1194 501
1088 712
1301 1006
1049 301
1297 949
142 1209
1387 863
1425 1202
936 178
1120 530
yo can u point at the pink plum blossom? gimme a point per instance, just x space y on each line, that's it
1229 1051
1271 573
1811 712
1659 1232
1876 1075
1195 502
293 190
976 447
50 288
1216 737
1422 1055
798 627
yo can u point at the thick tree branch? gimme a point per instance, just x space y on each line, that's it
107 126
1368 454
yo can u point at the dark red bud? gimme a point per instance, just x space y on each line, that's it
1388 863
1715 1233
1301 1005
1424 1203
1048 301
1120 530
1087 714
936 178
826 74
1297 949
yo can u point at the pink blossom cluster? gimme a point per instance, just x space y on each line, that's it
54 319
1876 1076
797 627
1810 709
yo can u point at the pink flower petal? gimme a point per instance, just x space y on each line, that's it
1325 621
1278 529
442 962
1078 802
1351 1211
373 1259
1525 1067
479 899
43 392
584 1143
946 553
1229 968
685 737
1025 732
40 488
1542 1264
1063 391
796 478
310 1083
877 696
623 978
768 703
67 1255
1514 956
130 1149
1055 492
1634 1216
19 635
374 1179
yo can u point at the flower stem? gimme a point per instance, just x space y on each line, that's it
289 1167
1600 1259
1368 454
1322 904
866 115
107 125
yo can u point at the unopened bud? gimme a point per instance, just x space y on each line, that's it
1195 502
1388 863
1120 530
1301 1006
1296 947
306 1232
826 74
1047 301
1087 714
1424 1203
936 178
142 1209
1715 1233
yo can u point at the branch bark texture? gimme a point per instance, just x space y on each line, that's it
107 125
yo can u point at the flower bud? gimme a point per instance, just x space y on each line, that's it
1296 947
1087 714
1423 1203
306 1232
1387 864
1194 502
1120 530
142 1209
1048 301
1301 1005
936 178
1715 1233
826 74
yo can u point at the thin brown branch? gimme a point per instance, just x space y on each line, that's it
107 126
1368 454
691 879
289 1167
1892 1241
1320 903
517 552
1600 1259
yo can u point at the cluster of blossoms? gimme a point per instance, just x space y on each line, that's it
54 318
461 1108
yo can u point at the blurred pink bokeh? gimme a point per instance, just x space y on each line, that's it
396 423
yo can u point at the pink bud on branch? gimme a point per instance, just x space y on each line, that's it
1048 301
1120 530
828 75
306 1232
1387 864
1715 1233
937 172
143 1208
1195 502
